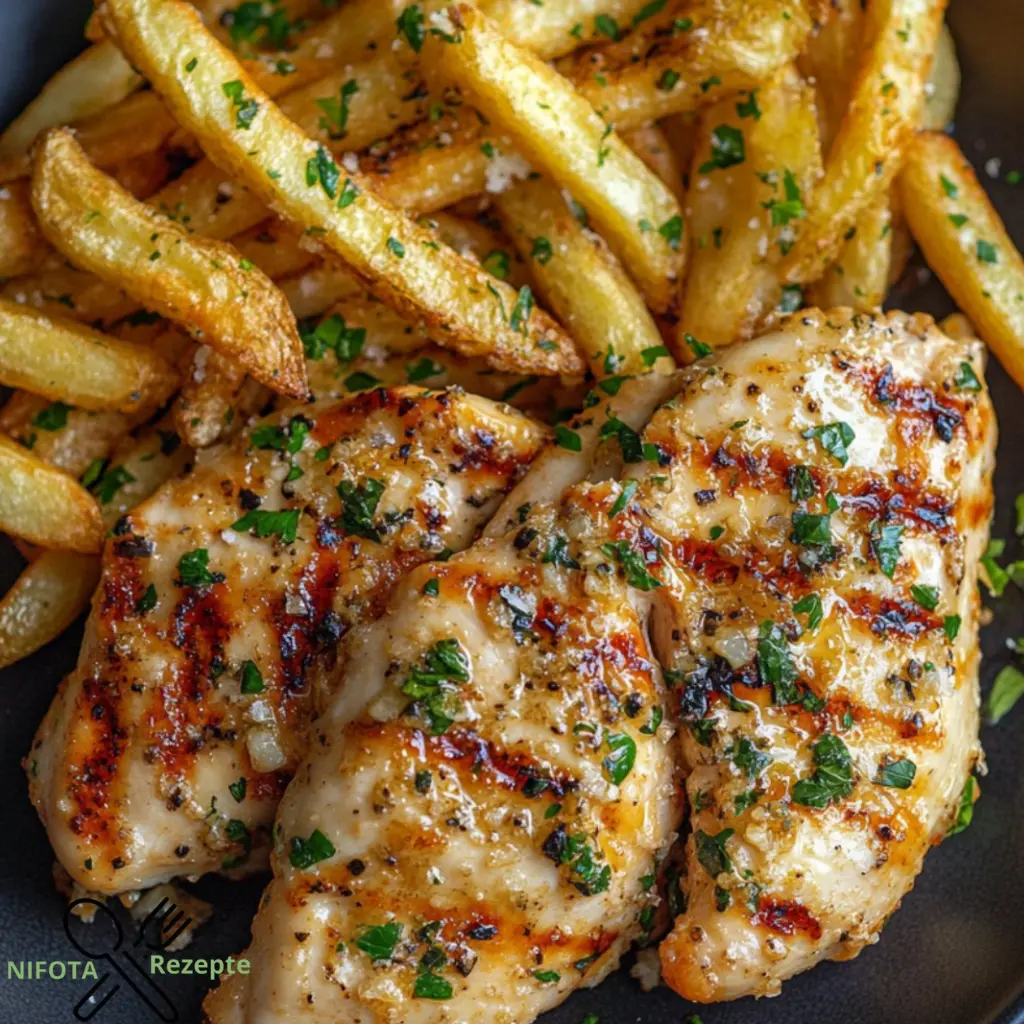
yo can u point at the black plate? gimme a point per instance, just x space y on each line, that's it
954 954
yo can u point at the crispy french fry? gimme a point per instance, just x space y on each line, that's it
92 82
70 439
201 284
582 282
728 45
22 248
63 291
483 245
944 84
45 599
859 278
67 361
44 505
831 61
966 244
55 589
651 144
205 405
886 106
401 260
557 130
756 157
276 248
316 290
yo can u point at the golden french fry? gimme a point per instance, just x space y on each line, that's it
44 505
247 133
45 599
316 290
70 439
92 82
205 406
756 157
206 286
966 244
859 278
22 249
885 108
481 244
67 361
726 45
276 248
63 291
944 84
651 144
831 61
556 129
582 282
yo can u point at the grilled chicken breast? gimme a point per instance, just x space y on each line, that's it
476 829
222 599
827 501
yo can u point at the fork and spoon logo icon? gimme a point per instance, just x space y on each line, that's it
161 927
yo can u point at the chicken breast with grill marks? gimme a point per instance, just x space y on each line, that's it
475 831
827 501
221 602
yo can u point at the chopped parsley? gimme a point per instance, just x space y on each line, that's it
1007 689
633 564
358 504
885 545
432 685
193 570
263 523
832 778
307 852
410 25
897 774
834 438
335 119
810 605
53 417
775 663
727 149
712 853
621 757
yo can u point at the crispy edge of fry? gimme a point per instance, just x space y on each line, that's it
204 407
943 85
66 361
401 260
45 599
45 505
975 259
732 283
558 131
94 81
859 277
582 282
885 108
199 283
22 248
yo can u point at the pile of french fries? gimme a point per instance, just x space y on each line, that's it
219 206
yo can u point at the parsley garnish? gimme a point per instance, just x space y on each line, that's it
897 774
775 663
835 438
264 523
307 852
633 565
432 687
832 778
252 678
193 571
358 505
727 149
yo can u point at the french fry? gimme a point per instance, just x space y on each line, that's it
44 505
859 278
22 248
276 248
557 130
582 282
92 82
205 405
831 61
63 291
756 157
651 144
483 245
45 599
70 439
729 45
316 290
400 260
966 244
943 86
885 108
55 589
67 361
201 284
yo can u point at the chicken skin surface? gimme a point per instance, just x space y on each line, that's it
221 603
